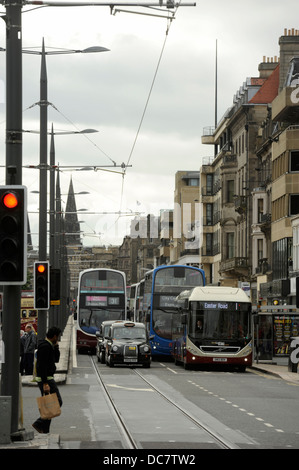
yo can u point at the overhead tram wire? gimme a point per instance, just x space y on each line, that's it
76 127
150 91
170 19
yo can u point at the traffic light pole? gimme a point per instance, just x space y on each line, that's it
42 244
12 293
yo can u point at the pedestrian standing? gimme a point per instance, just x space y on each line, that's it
29 348
47 355
22 342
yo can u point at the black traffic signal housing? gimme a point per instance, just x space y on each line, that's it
13 235
41 285
54 286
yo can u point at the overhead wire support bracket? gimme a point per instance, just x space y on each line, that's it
118 10
168 4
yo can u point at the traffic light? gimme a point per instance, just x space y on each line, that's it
41 285
13 235
54 286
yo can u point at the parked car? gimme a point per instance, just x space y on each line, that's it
101 335
127 343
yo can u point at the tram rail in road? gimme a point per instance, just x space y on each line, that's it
129 441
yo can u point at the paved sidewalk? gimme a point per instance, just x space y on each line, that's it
47 441
63 364
278 371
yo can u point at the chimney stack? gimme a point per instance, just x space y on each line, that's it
289 48
267 66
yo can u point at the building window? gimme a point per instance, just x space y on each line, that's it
260 210
282 251
230 245
209 185
193 182
296 248
294 204
294 160
260 243
209 243
209 209
230 190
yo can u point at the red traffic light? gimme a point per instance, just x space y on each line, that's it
10 200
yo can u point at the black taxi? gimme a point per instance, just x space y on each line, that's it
127 343
101 335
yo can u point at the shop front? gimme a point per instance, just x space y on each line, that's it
272 334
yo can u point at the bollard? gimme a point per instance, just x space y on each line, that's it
5 421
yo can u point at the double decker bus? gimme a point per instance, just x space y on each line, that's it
28 312
101 297
131 294
157 306
215 328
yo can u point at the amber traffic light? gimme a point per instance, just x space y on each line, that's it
41 285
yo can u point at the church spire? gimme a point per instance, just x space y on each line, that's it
72 226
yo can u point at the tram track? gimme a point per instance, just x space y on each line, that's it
127 436
129 441
225 444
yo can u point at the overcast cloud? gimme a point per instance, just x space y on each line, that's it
108 91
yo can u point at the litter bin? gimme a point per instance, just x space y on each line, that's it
294 354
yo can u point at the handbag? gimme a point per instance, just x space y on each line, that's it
48 406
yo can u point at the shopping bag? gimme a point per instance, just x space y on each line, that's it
48 406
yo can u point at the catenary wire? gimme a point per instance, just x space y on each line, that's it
170 19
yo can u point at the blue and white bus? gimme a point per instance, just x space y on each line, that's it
158 311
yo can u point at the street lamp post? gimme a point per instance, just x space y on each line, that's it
42 314
54 247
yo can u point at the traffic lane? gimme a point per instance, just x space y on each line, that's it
262 407
166 416
154 423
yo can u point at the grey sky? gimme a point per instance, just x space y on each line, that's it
108 92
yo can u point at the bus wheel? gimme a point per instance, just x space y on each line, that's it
187 366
